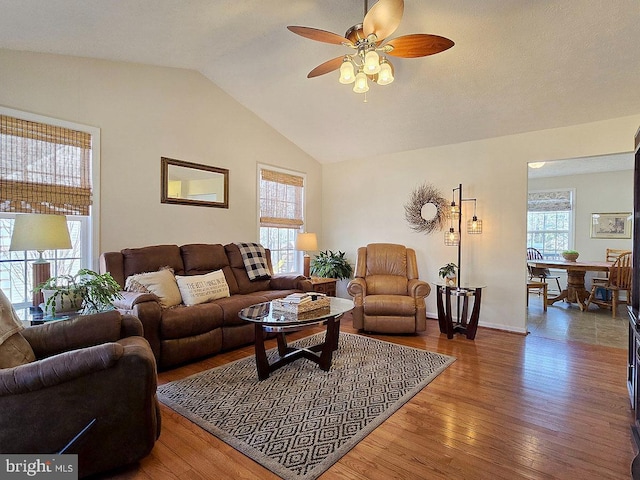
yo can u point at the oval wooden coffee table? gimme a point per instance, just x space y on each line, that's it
268 319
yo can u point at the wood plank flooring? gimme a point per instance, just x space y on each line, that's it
510 407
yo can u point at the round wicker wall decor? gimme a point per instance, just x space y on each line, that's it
413 210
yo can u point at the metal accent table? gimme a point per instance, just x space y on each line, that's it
267 319
463 323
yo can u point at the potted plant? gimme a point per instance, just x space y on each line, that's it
448 274
86 291
331 265
570 255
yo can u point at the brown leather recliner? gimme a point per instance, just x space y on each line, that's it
388 296
91 367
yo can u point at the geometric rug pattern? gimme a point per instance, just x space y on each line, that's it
301 420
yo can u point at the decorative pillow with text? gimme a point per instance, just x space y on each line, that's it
197 289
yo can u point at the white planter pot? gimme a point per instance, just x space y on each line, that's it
64 303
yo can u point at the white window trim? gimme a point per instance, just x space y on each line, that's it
93 242
572 215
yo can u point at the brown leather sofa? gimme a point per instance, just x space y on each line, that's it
183 333
386 291
92 367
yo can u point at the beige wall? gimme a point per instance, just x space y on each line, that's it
364 202
147 112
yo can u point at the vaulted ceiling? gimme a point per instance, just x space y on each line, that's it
517 65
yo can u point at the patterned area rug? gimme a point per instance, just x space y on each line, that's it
301 420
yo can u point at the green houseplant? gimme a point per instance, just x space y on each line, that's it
448 273
331 265
87 291
570 255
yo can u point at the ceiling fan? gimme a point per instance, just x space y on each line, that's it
367 39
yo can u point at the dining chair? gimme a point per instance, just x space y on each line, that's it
543 274
611 255
620 277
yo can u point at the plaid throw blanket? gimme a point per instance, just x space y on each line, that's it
255 260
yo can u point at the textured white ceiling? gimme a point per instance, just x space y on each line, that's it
517 65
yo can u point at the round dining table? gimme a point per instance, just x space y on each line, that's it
576 291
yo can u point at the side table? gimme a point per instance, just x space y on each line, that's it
30 317
463 323
324 285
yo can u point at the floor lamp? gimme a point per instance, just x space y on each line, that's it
474 226
40 232
307 242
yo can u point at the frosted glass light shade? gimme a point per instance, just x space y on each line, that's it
307 242
385 76
347 74
40 232
371 63
361 84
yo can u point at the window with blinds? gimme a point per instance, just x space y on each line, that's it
281 217
44 168
550 222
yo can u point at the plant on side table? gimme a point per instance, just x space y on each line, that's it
87 291
331 265
448 274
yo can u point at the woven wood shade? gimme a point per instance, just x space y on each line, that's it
44 168
281 199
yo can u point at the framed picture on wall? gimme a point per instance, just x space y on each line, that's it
611 225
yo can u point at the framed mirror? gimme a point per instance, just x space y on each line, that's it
188 183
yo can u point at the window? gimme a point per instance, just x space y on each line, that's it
550 222
45 167
281 216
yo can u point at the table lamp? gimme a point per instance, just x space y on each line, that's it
306 242
33 231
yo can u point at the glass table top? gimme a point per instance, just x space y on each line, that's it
266 314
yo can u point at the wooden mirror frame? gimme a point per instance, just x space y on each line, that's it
166 198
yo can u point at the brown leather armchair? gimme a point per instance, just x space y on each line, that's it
91 367
388 296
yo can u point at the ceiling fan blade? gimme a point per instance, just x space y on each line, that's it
326 67
418 45
383 18
320 35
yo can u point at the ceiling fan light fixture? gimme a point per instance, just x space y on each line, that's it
361 85
367 39
385 76
371 62
347 73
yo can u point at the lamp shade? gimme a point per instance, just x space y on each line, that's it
40 232
307 242
452 238
474 226
361 85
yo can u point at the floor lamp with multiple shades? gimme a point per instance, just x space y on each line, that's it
40 232
452 237
307 242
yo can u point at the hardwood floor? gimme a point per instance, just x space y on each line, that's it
510 407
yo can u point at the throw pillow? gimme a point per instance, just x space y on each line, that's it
197 289
161 283
254 257
14 349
